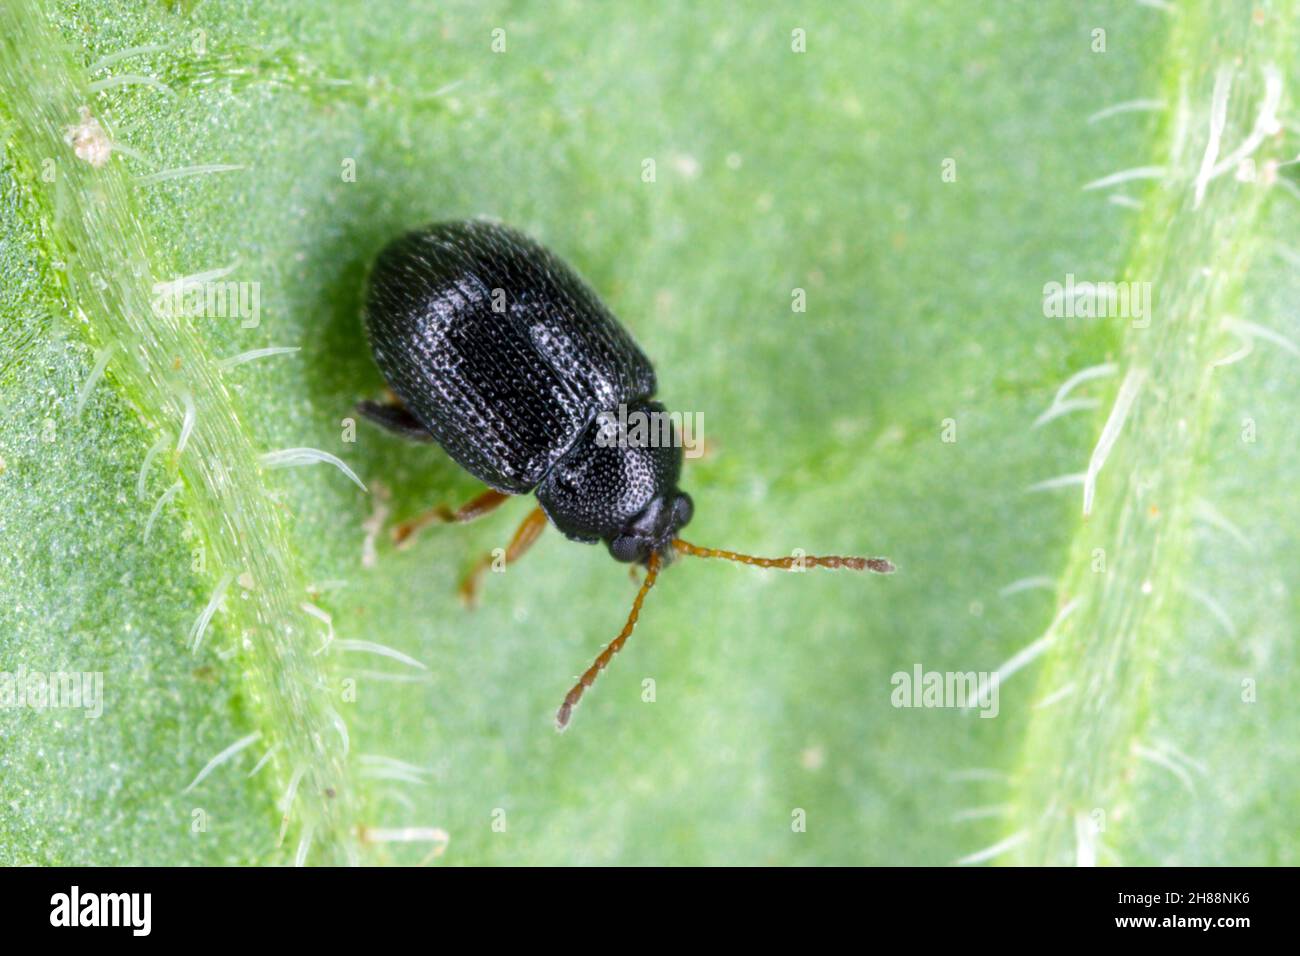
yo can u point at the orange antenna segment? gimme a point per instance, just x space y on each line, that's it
792 563
565 713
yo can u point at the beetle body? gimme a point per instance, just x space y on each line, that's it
506 358
502 355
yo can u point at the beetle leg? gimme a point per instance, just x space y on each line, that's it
525 535
396 418
441 514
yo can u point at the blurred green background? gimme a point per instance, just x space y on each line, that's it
775 170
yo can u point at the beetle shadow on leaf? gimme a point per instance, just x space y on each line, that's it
339 367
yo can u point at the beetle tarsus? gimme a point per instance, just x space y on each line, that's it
484 504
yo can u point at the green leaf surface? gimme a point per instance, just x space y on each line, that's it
1147 651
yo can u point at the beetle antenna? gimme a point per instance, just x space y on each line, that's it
793 563
565 713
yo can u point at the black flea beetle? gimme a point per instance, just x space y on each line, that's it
497 351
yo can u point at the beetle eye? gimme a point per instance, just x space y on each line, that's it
683 510
626 548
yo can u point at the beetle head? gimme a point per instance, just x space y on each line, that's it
653 529
611 487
